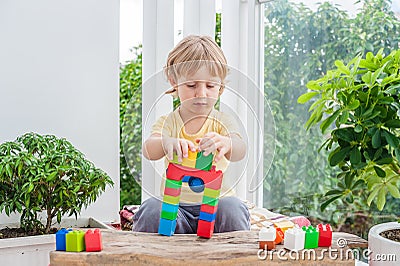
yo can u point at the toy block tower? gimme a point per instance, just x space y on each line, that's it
75 241
93 240
266 238
60 239
325 235
311 237
198 171
294 239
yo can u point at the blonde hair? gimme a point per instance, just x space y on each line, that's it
192 53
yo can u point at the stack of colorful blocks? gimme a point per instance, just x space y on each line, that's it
296 238
77 240
198 170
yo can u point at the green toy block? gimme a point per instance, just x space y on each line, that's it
173 183
75 241
204 162
311 237
175 159
210 201
171 199
212 193
168 215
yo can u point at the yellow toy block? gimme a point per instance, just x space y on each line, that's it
284 225
190 161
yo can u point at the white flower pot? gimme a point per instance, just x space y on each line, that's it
34 250
384 251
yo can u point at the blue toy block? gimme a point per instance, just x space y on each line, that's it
207 216
186 178
60 239
166 227
169 207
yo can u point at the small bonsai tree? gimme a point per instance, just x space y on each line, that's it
45 173
359 104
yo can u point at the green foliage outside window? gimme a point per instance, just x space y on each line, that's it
300 45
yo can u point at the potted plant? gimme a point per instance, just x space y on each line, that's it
43 174
359 104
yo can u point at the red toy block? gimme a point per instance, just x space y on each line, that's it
325 235
172 191
279 236
205 229
93 241
208 208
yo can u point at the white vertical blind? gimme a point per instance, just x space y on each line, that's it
199 17
158 40
241 37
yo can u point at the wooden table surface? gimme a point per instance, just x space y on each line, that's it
233 248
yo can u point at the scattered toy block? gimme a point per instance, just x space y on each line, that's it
93 241
75 241
204 162
294 239
325 235
167 227
311 237
266 238
60 239
284 225
279 236
205 229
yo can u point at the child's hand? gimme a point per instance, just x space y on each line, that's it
181 146
215 142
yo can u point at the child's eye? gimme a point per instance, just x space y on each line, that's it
191 85
210 86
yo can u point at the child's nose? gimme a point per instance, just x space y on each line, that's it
201 90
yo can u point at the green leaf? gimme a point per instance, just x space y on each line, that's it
339 156
353 105
376 139
306 97
381 200
327 202
391 139
334 192
358 129
355 156
393 190
344 134
379 171
327 122
394 123
344 69
372 195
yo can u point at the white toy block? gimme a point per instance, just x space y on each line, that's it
294 239
267 234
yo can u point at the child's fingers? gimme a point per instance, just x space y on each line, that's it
184 147
220 154
170 152
192 147
179 153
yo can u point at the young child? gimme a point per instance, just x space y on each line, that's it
196 69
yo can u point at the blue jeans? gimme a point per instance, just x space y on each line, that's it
232 215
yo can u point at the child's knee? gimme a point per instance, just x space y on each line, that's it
233 207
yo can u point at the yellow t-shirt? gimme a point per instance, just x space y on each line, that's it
172 125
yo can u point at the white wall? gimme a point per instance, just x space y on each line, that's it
59 74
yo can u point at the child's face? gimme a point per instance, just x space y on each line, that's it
198 92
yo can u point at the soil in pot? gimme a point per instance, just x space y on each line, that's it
18 232
393 234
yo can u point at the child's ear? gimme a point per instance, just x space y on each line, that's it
172 81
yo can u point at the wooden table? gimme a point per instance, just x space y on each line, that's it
233 248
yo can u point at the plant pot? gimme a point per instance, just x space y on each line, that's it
34 250
383 251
